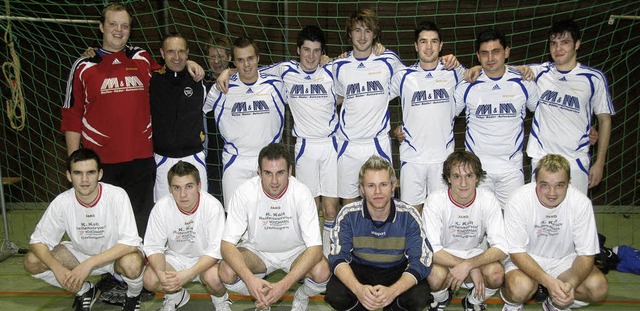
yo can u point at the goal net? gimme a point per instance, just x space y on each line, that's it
43 38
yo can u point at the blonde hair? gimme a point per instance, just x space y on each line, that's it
554 163
377 163
115 7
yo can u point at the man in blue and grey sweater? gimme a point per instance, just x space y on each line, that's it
380 256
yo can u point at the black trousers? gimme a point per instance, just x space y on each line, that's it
137 178
340 297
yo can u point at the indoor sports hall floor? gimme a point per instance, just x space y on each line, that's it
20 292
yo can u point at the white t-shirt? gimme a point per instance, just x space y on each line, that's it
495 111
567 103
364 85
194 234
310 97
550 232
428 111
249 116
273 225
452 226
92 230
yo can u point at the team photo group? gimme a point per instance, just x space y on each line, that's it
179 174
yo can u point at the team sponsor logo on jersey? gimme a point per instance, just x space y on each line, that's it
255 107
188 91
438 96
501 110
276 221
116 62
361 66
116 85
428 76
368 88
249 91
464 229
495 87
563 79
548 227
566 102
307 77
308 91
91 230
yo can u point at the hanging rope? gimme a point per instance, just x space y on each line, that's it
16 109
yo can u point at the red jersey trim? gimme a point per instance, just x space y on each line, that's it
193 211
95 201
463 206
279 196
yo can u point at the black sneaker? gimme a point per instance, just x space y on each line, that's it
469 307
147 295
113 290
85 301
440 306
131 303
541 294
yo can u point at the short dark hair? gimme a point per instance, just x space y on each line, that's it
243 42
83 154
175 35
490 35
274 151
181 169
114 7
426 26
368 18
567 25
219 41
465 158
314 34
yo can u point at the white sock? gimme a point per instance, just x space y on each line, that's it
134 286
488 292
216 299
578 304
440 296
311 288
174 296
238 287
48 277
510 306
326 237
86 286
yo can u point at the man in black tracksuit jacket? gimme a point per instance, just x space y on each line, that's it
176 115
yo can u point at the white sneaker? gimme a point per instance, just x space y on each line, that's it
223 306
300 301
548 306
173 304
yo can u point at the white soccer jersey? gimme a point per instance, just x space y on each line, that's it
273 225
452 226
495 111
92 230
364 85
550 232
428 111
194 234
310 97
249 116
567 102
